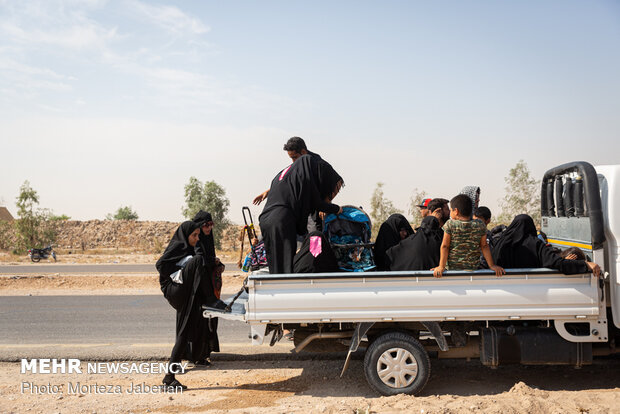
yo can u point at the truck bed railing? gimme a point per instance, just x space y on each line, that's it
564 189
394 274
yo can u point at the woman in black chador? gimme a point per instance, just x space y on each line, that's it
420 251
206 340
293 195
181 277
520 247
391 232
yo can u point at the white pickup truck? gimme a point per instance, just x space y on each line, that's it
528 316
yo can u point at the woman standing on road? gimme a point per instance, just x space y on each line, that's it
181 277
206 341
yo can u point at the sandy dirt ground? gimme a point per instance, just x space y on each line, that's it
96 257
48 283
292 386
120 284
315 387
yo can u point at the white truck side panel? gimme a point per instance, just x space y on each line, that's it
609 182
477 297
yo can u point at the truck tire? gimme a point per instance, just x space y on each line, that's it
396 363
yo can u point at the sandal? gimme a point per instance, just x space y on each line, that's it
173 382
203 362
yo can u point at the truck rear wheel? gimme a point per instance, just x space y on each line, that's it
396 363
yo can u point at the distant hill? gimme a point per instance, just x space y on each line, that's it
5 215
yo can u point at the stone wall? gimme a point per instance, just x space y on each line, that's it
135 236
147 236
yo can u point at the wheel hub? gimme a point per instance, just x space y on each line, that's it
397 368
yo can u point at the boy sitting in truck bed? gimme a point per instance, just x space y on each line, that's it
463 240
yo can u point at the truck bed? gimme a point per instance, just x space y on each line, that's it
418 296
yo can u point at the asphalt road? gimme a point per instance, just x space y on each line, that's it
102 327
84 268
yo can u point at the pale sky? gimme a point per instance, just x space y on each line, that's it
110 103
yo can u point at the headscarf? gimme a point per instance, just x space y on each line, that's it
509 250
420 251
206 248
521 228
473 192
389 236
178 248
202 217
315 255
519 247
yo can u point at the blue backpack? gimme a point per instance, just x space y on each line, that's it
349 235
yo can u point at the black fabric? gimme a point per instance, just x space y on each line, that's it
519 247
193 332
178 248
421 250
389 236
278 231
202 217
296 188
206 247
292 197
328 179
493 236
324 262
206 340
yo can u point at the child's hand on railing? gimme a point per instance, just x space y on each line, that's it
438 271
499 271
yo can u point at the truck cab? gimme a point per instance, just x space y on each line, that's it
609 184
578 208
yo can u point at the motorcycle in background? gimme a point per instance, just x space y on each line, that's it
37 254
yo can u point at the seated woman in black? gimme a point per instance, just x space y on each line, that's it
315 255
181 277
420 251
391 232
292 197
520 247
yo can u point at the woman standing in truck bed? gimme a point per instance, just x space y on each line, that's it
293 195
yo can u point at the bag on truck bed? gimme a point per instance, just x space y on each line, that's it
349 236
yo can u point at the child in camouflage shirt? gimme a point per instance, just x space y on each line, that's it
463 240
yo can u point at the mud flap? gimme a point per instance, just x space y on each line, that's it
435 330
277 333
360 330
